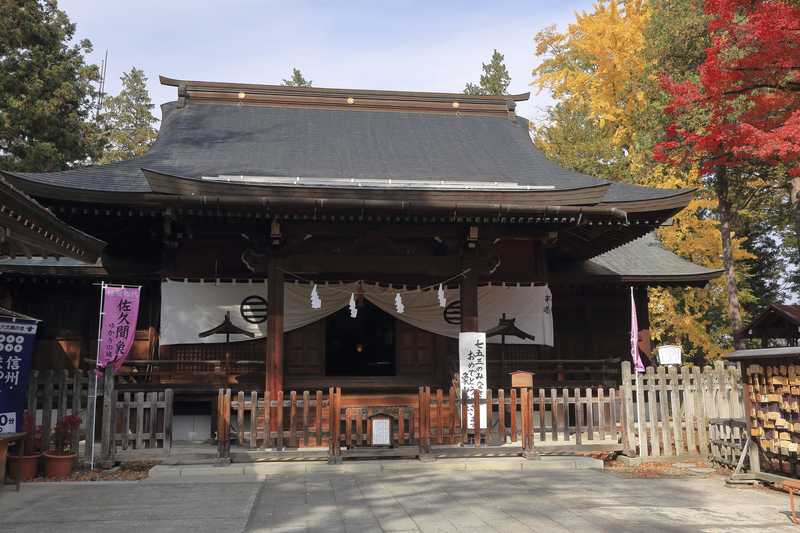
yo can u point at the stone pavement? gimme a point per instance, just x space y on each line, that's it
476 495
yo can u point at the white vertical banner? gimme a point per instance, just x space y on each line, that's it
472 371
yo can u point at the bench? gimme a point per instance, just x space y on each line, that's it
791 485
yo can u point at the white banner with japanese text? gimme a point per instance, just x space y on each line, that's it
472 372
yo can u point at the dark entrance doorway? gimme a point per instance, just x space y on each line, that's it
361 346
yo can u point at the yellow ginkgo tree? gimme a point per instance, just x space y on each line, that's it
606 120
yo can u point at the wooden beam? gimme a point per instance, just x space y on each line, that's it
354 265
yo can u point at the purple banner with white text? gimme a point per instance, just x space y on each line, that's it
120 310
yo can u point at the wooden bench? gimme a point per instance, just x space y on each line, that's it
791 485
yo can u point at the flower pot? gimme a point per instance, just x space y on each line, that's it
28 466
58 466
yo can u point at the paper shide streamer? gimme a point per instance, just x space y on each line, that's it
398 304
440 295
352 304
316 302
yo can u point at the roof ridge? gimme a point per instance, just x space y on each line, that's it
342 97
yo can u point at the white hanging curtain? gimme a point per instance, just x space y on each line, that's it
530 306
187 308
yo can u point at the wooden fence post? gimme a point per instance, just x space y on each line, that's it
677 411
33 391
334 453
663 401
76 409
168 396
528 450
628 429
641 423
220 424
424 403
223 426
652 412
47 409
109 408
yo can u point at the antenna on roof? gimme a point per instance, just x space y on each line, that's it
102 88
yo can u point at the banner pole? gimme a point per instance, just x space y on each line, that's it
93 397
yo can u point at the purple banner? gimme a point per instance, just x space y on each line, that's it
120 310
638 366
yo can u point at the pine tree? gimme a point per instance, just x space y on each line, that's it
128 120
297 79
46 92
494 80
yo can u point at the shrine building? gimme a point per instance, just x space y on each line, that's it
349 236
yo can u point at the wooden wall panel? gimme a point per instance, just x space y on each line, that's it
305 350
415 349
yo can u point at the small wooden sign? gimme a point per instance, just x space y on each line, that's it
381 429
521 379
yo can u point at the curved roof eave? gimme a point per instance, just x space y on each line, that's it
35 230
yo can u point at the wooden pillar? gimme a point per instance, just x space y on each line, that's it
275 329
469 299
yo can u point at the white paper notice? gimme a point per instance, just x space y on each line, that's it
472 371
380 432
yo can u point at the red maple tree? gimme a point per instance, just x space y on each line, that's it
747 92
742 112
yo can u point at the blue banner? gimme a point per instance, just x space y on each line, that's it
16 349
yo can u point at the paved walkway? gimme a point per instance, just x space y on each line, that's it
486 495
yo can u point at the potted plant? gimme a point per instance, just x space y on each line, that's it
26 463
59 459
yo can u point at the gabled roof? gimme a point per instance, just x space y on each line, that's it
775 321
645 260
267 132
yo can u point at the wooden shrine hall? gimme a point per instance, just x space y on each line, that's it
347 236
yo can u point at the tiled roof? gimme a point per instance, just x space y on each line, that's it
645 259
209 136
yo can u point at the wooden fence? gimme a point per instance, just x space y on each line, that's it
726 438
143 420
516 417
55 394
140 420
668 410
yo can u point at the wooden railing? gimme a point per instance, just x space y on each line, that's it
292 420
521 418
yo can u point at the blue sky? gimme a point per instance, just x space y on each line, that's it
427 46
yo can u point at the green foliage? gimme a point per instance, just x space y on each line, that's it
494 80
297 80
127 119
46 92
